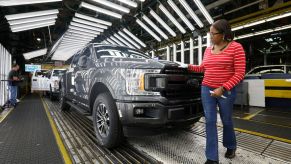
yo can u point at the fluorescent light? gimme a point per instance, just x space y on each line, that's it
170 16
245 36
279 16
155 27
128 39
92 19
30 20
100 10
71 39
105 42
116 41
142 0
79 37
128 2
31 14
263 32
237 28
34 54
89 23
283 27
80 33
254 23
30 25
191 12
110 41
181 15
204 11
84 30
24 2
123 41
162 23
86 27
134 37
262 21
148 30
75 42
112 5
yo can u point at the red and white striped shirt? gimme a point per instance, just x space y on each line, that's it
225 69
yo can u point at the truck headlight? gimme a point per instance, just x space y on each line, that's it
135 81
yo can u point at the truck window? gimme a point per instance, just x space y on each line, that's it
121 54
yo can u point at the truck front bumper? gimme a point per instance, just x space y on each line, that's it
158 115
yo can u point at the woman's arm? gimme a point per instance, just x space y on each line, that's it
239 68
196 68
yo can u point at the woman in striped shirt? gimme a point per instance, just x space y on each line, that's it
224 67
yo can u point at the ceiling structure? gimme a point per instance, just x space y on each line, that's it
144 25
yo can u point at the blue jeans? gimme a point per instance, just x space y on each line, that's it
12 94
225 109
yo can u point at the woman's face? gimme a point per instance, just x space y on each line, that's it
215 36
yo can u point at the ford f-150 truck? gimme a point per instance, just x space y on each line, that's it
123 88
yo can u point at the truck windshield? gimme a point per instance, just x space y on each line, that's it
121 54
58 72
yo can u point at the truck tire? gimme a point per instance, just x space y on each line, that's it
63 105
106 121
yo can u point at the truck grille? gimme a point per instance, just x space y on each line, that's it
181 84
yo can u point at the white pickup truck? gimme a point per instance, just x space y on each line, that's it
54 79
47 81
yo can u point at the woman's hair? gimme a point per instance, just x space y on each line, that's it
223 27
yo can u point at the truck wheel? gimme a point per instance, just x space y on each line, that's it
106 122
63 105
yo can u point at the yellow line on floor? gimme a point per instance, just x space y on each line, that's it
267 123
253 115
59 141
6 114
263 135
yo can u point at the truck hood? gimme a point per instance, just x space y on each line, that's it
133 63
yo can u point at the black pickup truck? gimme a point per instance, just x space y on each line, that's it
123 88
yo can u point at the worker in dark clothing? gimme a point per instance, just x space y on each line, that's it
13 79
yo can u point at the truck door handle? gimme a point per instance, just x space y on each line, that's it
34 79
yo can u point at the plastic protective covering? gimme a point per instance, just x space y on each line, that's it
5 66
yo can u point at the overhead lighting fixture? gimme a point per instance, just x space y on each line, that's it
84 30
75 42
191 13
282 28
100 10
34 54
128 39
148 30
264 32
254 23
204 11
105 42
279 16
112 5
141 0
129 3
24 2
155 27
170 16
33 25
110 41
80 33
92 19
181 15
261 21
71 39
134 37
116 41
163 23
123 41
89 23
31 20
31 14
86 27
79 37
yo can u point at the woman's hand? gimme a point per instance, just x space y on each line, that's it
217 92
